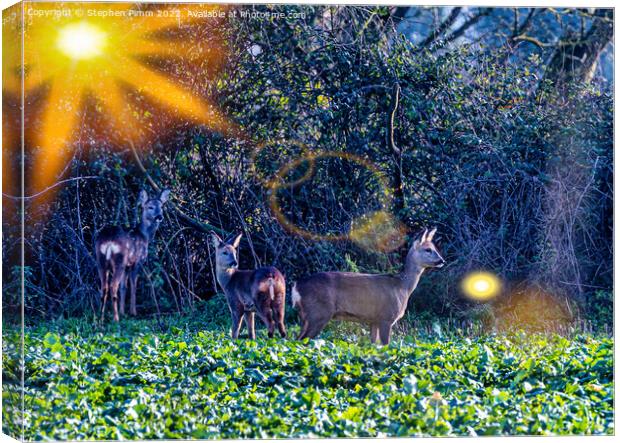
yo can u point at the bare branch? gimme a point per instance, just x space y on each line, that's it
442 28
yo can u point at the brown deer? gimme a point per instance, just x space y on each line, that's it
260 290
379 300
120 253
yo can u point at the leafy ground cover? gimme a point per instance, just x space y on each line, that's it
138 381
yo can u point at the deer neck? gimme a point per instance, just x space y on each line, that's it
411 275
224 275
148 229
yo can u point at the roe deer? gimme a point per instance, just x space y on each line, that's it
261 290
120 253
379 300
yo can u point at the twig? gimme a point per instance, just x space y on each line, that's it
27 197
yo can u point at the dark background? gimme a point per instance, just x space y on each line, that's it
504 133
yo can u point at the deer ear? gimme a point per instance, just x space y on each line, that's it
143 197
235 243
163 198
423 238
431 234
215 239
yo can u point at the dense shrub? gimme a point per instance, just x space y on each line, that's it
517 177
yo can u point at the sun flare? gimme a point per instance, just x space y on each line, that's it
81 40
112 53
481 286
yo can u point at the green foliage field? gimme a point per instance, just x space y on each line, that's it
134 381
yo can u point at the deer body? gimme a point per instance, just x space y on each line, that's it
120 253
261 291
378 300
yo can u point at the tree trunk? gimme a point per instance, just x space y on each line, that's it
574 59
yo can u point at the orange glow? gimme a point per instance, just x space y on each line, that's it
11 127
99 49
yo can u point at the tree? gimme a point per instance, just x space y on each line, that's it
576 56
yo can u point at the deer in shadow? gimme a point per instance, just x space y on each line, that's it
120 253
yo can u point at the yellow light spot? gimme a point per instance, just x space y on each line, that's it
81 40
481 286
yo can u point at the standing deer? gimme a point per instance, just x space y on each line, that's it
261 290
379 300
120 253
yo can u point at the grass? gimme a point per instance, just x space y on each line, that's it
182 377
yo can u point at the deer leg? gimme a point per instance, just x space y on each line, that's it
249 323
105 300
272 324
133 287
117 278
303 323
266 316
102 279
303 331
123 289
115 285
236 324
115 306
385 331
104 293
279 311
315 326
374 334
282 328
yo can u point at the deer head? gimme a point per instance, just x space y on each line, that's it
152 209
226 252
424 253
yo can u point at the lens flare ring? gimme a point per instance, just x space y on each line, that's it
361 231
306 154
278 182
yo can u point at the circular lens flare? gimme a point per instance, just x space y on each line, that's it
81 40
481 286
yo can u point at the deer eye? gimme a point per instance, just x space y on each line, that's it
428 250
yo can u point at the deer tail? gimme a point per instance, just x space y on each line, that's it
108 252
295 296
271 283
109 248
